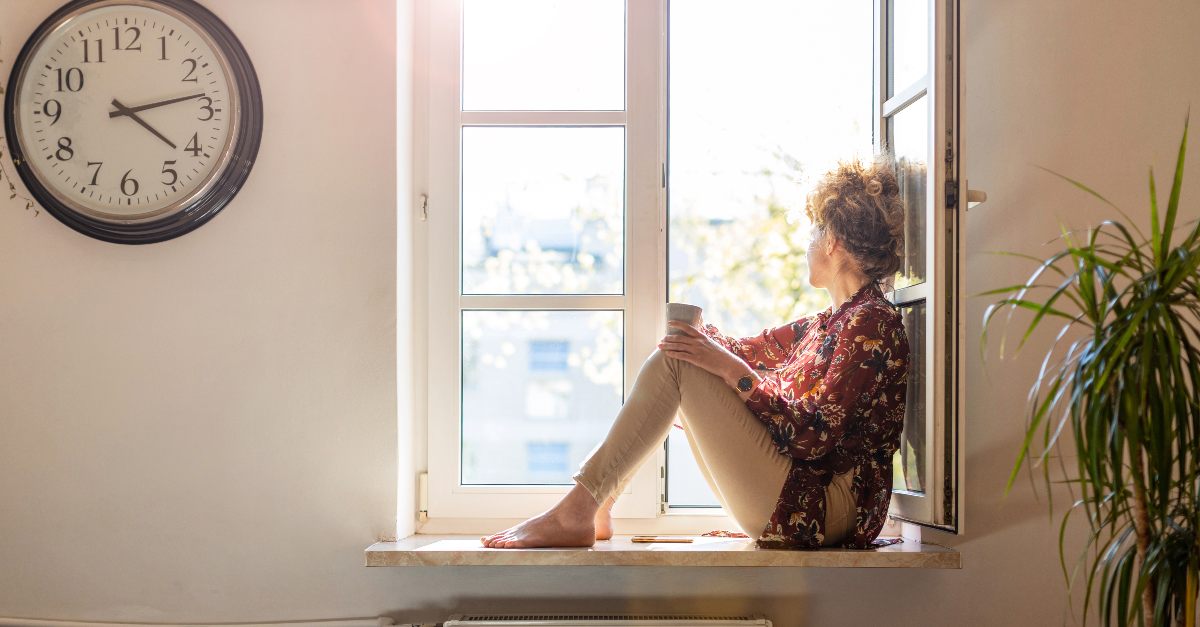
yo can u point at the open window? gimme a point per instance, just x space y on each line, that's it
588 161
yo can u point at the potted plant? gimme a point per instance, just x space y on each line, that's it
1122 377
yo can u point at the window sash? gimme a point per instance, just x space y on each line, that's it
939 505
644 251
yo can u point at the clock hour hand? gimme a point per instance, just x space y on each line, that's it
128 110
123 110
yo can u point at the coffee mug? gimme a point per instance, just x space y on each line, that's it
683 312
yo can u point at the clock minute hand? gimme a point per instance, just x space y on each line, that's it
137 118
161 103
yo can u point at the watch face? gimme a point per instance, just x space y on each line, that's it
128 112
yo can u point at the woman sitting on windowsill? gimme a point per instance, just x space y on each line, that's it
794 428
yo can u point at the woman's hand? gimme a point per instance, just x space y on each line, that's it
699 349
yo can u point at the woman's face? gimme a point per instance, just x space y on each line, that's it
819 262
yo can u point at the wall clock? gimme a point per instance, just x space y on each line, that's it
133 121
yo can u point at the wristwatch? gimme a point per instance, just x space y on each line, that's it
745 383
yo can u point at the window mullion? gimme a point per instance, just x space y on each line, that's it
544 118
645 287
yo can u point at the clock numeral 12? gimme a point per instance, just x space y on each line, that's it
137 33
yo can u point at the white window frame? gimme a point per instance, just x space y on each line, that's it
438 120
455 505
943 291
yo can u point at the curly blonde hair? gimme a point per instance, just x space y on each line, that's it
861 205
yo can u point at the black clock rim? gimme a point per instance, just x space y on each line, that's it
203 208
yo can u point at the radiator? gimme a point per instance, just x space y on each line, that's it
603 620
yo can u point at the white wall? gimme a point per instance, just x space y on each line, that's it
205 430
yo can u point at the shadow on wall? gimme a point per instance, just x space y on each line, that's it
991 511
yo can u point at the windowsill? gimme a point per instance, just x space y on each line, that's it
464 550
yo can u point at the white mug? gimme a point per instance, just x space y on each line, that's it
683 312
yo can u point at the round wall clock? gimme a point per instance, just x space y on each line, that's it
133 121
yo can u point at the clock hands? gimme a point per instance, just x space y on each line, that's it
123 110
130 110
132 113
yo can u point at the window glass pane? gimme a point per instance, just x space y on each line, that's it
685 485
543 210
908 464
909 129
543 54
754 122
909 43
539 391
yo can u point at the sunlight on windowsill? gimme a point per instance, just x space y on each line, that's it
465 550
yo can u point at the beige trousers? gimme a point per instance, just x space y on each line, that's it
733 449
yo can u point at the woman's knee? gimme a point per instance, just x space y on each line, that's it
659 359
678 366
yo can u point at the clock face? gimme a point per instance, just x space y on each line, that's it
128 112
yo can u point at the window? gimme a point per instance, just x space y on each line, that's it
916 116
742 151
590 160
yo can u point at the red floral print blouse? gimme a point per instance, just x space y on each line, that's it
832 398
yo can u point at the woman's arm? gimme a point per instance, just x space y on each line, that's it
764 351
871 349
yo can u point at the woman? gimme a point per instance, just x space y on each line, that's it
794 428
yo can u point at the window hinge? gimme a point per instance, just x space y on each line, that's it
664 175
951 194
424 207
423 497
662 489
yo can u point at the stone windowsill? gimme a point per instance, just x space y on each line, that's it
464 550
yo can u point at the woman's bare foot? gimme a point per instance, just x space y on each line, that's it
603 521
570 523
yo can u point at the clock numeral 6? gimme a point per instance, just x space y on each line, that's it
55 113
65 151
127 182
171 171
72 79
96 174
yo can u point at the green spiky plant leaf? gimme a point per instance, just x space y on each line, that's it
1123 378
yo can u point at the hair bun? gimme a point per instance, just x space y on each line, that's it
874 187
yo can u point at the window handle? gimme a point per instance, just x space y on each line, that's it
975 197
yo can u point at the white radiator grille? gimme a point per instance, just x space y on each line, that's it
605 620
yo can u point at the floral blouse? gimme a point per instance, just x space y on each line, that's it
832 398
